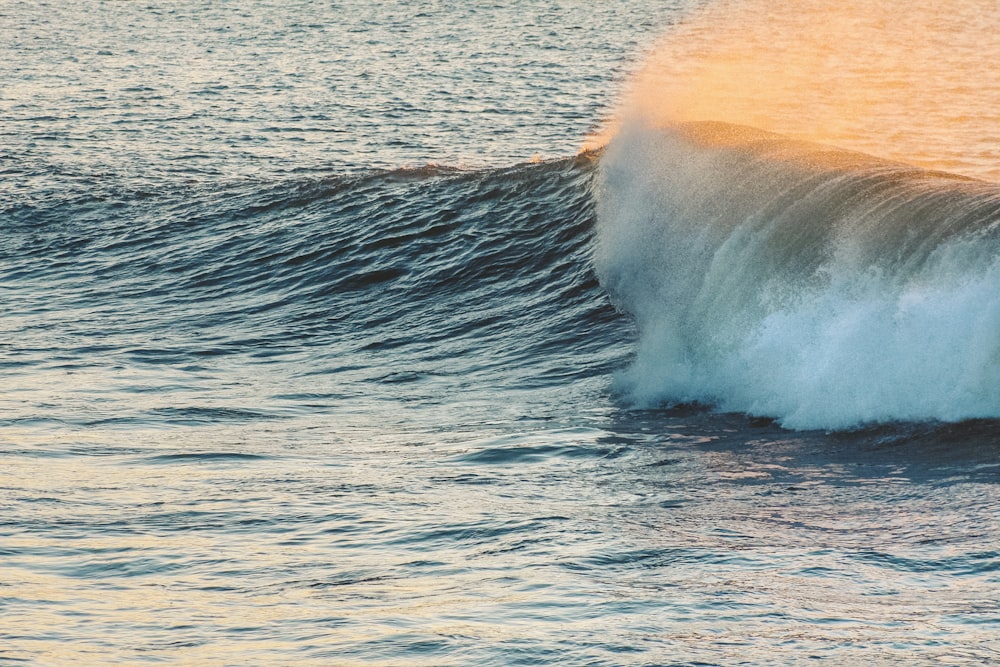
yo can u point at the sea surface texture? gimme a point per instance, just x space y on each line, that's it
324 342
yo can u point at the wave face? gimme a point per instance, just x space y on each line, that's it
820 287
435 285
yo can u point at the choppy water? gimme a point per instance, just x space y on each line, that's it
309 355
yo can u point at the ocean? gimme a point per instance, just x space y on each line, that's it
545 332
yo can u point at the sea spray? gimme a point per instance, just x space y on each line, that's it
911 80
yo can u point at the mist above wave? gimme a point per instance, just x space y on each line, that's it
909 80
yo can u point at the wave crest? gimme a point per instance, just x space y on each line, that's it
825 288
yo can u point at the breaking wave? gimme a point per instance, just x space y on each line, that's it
821 287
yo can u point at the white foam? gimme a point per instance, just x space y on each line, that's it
770 278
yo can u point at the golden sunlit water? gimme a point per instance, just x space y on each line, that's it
906 80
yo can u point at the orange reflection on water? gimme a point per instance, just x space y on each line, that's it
909 80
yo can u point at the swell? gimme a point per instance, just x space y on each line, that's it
821 287
406 273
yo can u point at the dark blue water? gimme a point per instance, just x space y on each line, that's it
306 359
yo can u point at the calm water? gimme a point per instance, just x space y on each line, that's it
321 344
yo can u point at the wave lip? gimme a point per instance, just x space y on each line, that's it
822 287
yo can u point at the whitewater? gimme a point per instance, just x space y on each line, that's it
653 333
824 288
